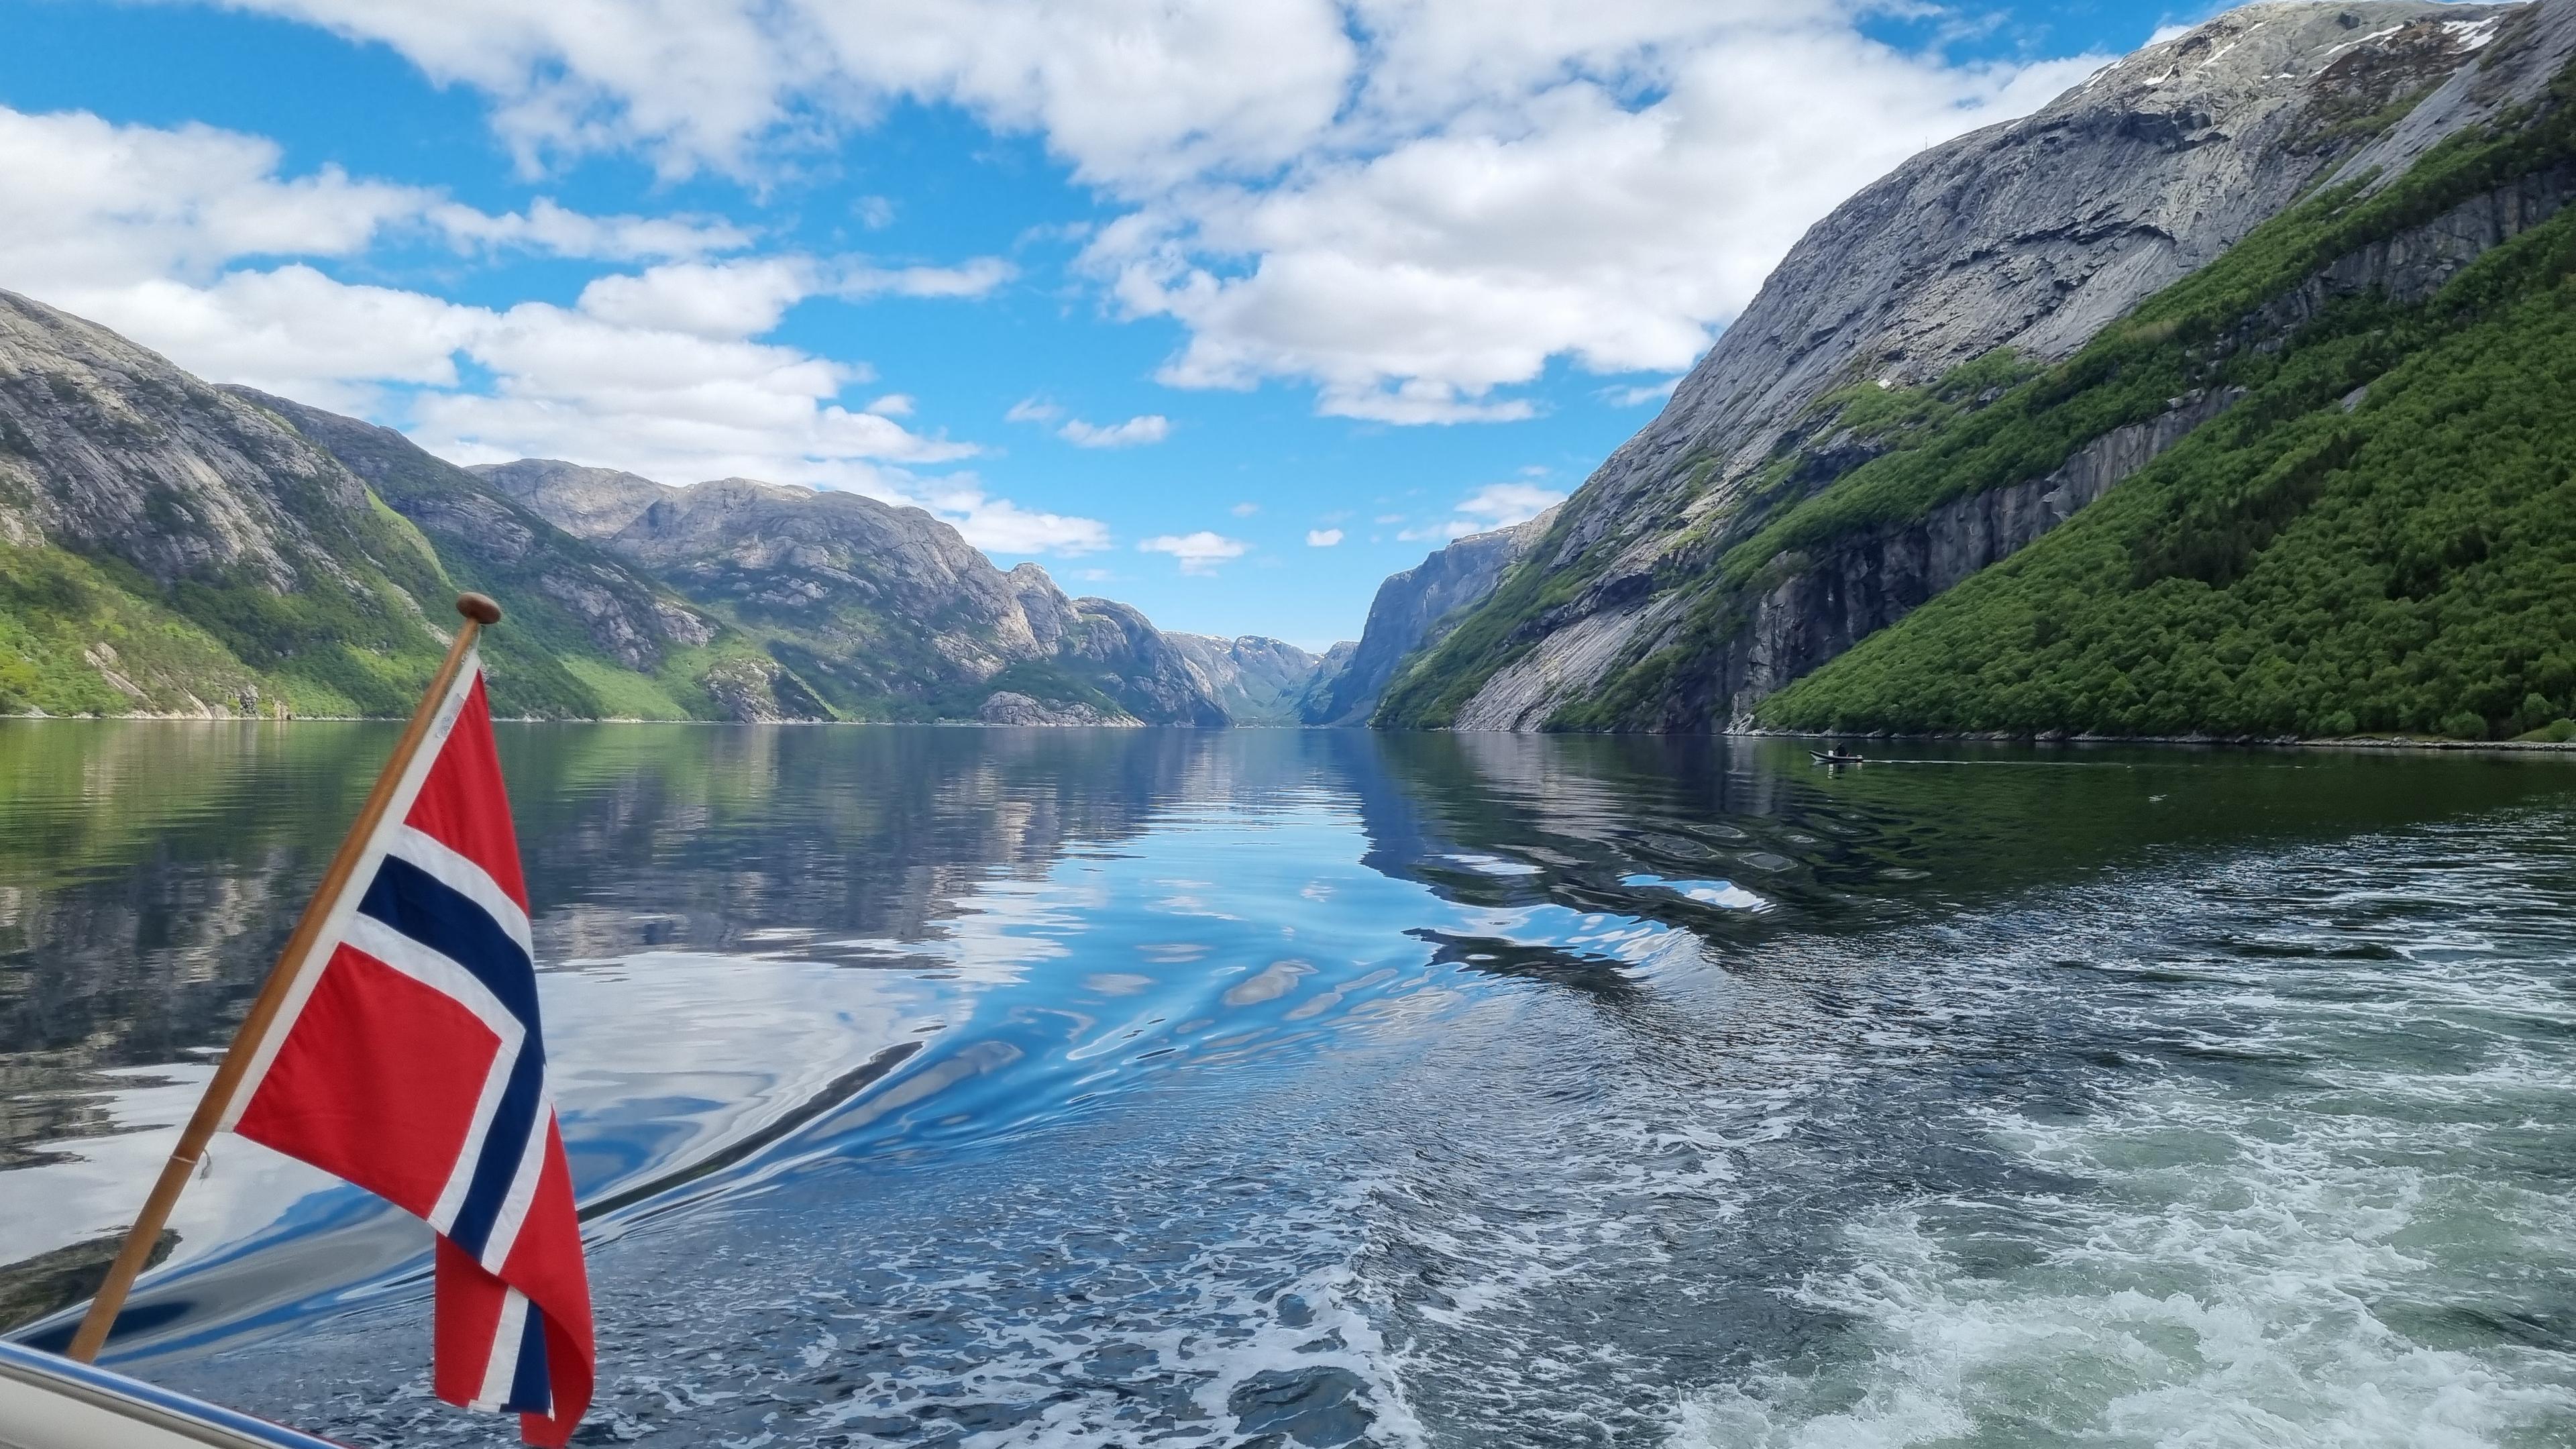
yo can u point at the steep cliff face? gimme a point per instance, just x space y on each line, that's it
1673 593
1881 574
885 611
1256 680
170 548
173 547
2034 234
1414 610
2378 537
1116 649
493 544
1330 665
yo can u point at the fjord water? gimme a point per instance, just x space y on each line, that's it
999 1087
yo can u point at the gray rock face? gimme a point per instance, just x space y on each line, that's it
1329 668
301 589
111 455
1257 680
1002 707
785 551
256 520
1414 610
1117 647
1871 580
2516 62
1877 578
2030 235
584 502
496 542
882 608
2036 233
106 448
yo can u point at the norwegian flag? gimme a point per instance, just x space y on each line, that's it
407 1058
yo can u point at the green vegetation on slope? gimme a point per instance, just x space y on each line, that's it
544 663
2293 568
1431 691
57 609
2128 374
2199 333
341 645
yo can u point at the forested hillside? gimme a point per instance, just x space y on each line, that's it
2380 537
2317 486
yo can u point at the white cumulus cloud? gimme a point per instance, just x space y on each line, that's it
733 299
1496 505
1445 257
1135 432
747 296
1414 207
1198 553
97 205
192 241
1323 537
1501 505
970 279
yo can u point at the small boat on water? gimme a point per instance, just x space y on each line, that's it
1834 757
55 1403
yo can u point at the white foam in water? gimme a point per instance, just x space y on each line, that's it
1725 894
2341 1243
2270 1154
1491 864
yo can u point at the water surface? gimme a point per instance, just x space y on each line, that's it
996 1087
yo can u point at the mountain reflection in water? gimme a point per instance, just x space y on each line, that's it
1025 1087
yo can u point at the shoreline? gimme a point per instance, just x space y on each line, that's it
2234 742
2383 743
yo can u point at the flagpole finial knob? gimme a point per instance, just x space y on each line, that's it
479 608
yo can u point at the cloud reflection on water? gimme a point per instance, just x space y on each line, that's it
738 917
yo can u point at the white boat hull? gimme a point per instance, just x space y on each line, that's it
48 1402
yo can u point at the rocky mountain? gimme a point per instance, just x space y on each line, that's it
886 612
1412 611
567 599
168 547
1978 347
171 547
1256 680
1329 667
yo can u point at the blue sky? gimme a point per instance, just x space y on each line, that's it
1225 310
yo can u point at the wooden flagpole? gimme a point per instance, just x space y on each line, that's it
478 611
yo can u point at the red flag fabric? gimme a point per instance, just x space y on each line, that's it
408 1059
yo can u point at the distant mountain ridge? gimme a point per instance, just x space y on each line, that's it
1412 611
1257 680
885 611
169 547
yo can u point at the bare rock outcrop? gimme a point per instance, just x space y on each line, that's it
107 448
1257 680
2030 236
885 610
497 543
1414 610
1002 707
2035 234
